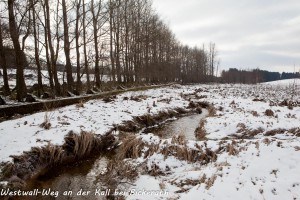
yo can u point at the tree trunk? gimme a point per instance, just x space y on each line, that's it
36 51
50 46
3 64
20 83
67 47
78 85
112 60
86 66
95 29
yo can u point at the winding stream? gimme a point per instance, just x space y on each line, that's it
81 176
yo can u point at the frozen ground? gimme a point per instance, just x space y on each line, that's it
254 132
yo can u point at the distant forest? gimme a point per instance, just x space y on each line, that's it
234 75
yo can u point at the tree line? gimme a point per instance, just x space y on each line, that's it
234 75
125 39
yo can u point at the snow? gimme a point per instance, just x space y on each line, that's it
31 77
285 82
97 116
258 166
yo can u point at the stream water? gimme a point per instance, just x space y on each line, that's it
80 177
185 125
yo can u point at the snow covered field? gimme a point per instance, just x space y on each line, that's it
257 155
253 134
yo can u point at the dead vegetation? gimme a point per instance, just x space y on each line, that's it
118 172
245 133
138 98
269 113
200 131
131 147
109 99
46 123
80 104
294 131
148 120
38 159
134 147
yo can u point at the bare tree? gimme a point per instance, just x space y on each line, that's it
48 40
86 66
3 63
20 62
95 19
67 46
77 34
36 49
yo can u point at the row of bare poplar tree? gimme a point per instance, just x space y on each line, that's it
126 39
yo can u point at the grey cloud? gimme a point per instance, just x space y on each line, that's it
247 32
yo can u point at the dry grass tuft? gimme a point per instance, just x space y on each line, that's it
38 159
179 139
245 133
274 132
117 172
255 113
181 110
211 111
80 104
131 147
146 120
109 99
46 123
189 155
81 145
155 170
269 113
129 126
295 131
210 182
267 141
204 104
200 131
138 98
232 148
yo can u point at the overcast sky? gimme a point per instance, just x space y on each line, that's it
247 33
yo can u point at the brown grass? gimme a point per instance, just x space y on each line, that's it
146 120
117 172
210 182
269 113
129 126
211 111
245 133
200 131
38 159
80 104
131 147
189 155
274 132
138 98
255 113
232 148
46 123
181 110
204 104
81 145
179 139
